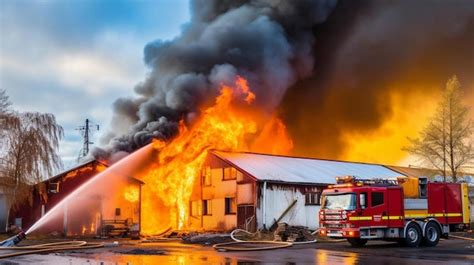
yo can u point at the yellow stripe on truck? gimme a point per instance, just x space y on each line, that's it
392 217
398 217
360 218
414 215
433 215
453 214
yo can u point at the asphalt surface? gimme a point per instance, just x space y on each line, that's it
452 251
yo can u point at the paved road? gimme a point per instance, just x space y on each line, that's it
453 251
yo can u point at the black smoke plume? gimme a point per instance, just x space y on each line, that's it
268 42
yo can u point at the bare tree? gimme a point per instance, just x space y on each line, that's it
444 143
4 102
4 110
29 151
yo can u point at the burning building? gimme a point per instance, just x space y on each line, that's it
111 211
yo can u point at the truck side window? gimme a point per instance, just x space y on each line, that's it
377 198
363 200
423 187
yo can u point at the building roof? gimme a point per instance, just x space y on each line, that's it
433 174
87 163
273 168
415 171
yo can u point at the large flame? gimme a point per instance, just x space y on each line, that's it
230 124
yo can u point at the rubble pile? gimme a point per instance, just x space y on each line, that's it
206 238
287 233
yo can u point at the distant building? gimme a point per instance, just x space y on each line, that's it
5 185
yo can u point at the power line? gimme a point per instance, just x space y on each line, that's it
86 131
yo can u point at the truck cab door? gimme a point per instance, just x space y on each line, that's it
378 207
364 214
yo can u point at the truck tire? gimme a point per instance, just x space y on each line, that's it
357 242
413 235
432 234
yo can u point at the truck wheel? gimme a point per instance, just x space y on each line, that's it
413 235
357 242
432 235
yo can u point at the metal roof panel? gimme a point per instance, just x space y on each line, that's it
302 170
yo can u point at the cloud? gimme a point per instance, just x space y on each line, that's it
74 60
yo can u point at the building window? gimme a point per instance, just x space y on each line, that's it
377 198
206 176
53 187
230 173
230 206
206 207
194 208
312 198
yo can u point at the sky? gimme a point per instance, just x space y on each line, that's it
74 58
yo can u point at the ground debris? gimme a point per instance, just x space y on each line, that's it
206 238
287 233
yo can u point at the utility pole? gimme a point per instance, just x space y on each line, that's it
86 134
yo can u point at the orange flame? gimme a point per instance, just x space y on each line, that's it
224 126
131 194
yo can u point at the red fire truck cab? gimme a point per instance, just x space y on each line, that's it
410 210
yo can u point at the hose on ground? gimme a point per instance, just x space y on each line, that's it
240 230
49 247
462 237
231 246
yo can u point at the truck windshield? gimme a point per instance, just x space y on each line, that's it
345 201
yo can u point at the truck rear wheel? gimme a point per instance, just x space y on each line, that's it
357 242
432 234
412 235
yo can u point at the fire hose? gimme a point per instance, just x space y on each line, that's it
256 244
10 245
49 247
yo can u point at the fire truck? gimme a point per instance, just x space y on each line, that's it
410 210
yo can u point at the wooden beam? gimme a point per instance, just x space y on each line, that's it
275 224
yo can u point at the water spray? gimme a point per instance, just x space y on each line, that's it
14 240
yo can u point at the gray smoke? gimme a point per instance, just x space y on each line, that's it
268 42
